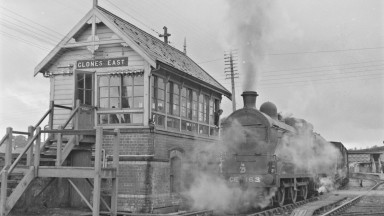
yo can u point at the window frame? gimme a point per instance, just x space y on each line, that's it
120 110
185 114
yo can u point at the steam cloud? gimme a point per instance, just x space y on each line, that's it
249 28
206 188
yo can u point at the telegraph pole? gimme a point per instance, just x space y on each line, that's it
230 62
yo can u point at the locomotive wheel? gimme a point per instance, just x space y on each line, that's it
304 192
293 194
280 196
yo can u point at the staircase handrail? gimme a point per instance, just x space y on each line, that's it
3 139
26 148
73 113
43 118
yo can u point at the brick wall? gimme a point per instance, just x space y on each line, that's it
144 182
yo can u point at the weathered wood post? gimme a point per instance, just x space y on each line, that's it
59 146
115 182
52 108
30 150
97 178
4 176
37 151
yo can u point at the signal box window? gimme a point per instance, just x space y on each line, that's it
84 88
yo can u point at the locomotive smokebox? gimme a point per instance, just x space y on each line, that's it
249 98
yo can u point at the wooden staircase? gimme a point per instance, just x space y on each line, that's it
47 160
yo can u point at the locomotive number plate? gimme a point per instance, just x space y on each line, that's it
247 179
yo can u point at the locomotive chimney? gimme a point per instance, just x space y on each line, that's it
249 98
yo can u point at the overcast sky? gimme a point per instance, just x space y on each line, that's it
322 61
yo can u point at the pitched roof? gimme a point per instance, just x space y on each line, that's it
373 150
150 47
160 51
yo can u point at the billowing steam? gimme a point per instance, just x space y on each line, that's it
313 153
207 189
249 27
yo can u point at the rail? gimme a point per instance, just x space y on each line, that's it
342 207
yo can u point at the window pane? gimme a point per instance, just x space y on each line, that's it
176 110
160 83
127 81
138 90
138 102
137 118
114 118
88 97
126 102
88 81
127 118
114 92
115 81
114 103
103 103
160 94
80 80
176 88
103 119
103 80
103 91
159 120
160 105
127 91
139 80
80 95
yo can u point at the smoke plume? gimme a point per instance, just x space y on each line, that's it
249 27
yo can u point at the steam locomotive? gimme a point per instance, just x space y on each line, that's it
279 159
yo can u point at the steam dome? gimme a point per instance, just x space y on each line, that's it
270 109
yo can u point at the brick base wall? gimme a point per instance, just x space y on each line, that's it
145 168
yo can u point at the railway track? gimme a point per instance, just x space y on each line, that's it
367 203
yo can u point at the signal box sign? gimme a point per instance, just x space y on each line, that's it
101 63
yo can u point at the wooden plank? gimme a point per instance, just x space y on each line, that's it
67 172
63 96
97 179
81 194
37 151
89 43
3 192
68 148
59 144
19 190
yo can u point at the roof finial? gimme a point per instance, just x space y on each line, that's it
185 45
94 3
165 35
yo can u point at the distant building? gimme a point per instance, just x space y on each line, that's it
366 160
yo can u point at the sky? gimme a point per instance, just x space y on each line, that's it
322 61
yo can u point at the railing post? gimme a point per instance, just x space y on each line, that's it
76 121
8 148
4 176
115 182
3 192
30 151
97 179
59 146
52 108
37 151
